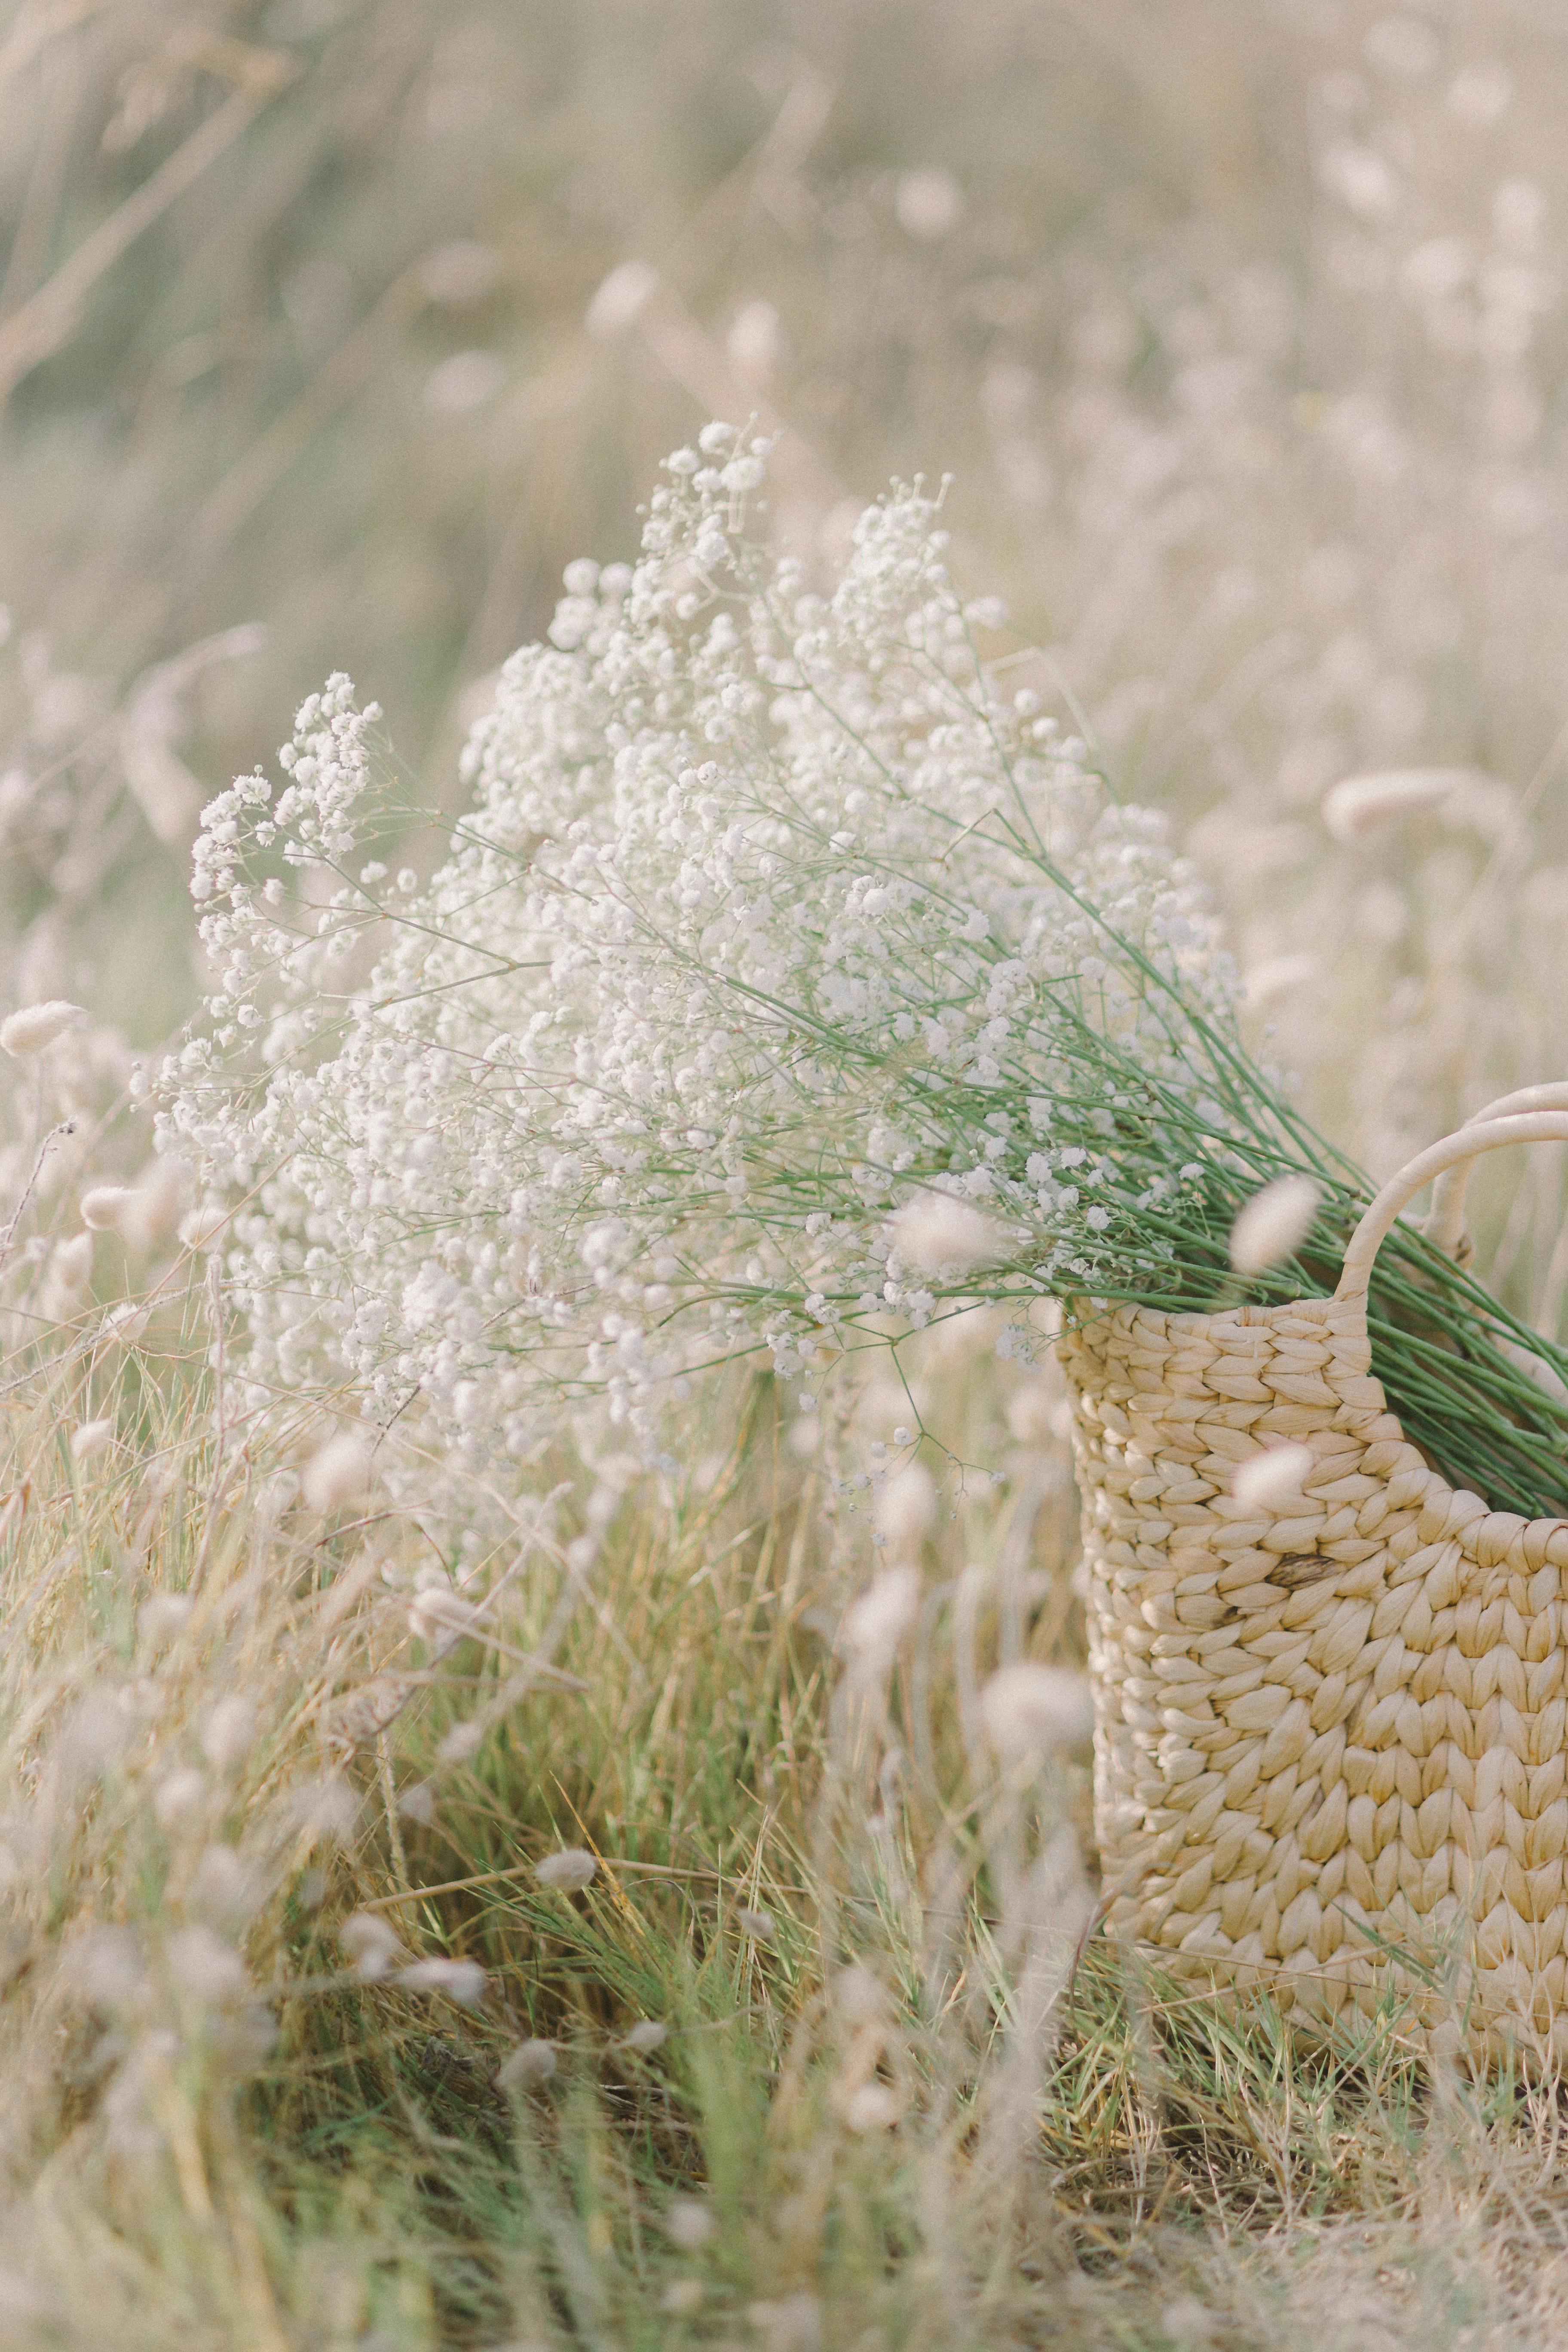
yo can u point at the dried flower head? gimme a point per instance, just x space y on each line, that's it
90 1438
646 2036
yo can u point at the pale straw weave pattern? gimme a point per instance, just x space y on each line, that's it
1333 1732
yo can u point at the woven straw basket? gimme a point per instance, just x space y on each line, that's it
1331 1750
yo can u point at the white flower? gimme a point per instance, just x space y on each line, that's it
1273 1476
340 1472
1274 1223
729 1018
647 2035
37 1026
92 1438
1034 1710
103 1209
568 1871
530 2062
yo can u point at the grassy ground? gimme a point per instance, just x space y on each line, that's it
816 2059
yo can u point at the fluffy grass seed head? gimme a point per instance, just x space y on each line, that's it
1271 1476
1274 1223
37 1026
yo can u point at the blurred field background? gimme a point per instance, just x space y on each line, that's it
328 334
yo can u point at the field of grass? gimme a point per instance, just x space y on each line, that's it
615 1933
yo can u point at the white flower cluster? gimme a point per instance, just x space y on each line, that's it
773 913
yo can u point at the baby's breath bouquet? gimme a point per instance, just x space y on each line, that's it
792 979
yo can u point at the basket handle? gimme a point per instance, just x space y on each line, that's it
1454 1151
1444 1220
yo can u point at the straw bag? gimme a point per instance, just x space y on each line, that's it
1330 1737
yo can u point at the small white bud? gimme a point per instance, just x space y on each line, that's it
37 1026
647 2035
1274 1223
568 1871
1272 1476
92 1438
758 1925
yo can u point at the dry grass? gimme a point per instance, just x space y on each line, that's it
1245 340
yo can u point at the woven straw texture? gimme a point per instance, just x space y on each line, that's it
1332 1732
